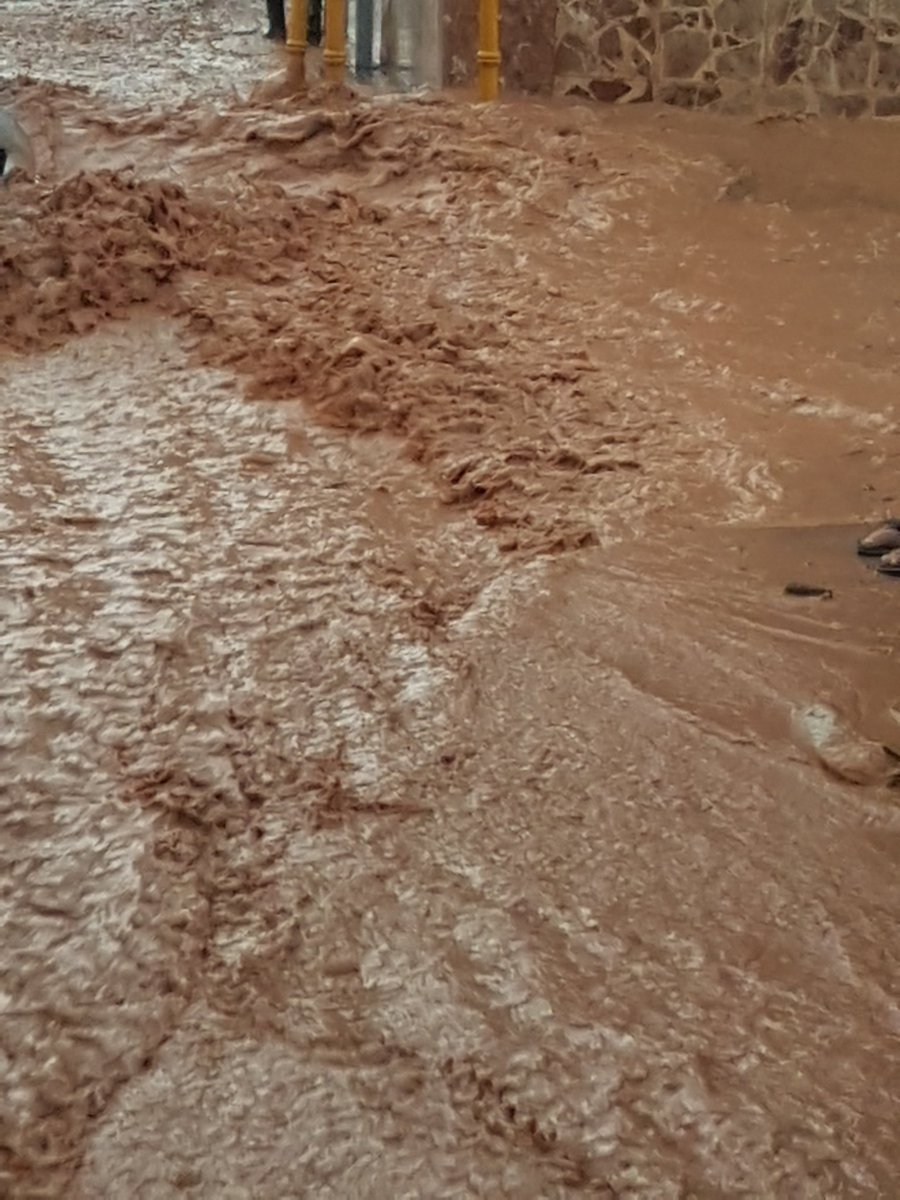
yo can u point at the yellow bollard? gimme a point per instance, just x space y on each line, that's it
335 55
489 49
296 39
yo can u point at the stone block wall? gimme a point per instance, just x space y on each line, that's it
828 56
822 56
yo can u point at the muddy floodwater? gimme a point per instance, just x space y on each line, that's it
415 780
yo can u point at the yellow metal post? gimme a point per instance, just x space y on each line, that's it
489 49
335 55
296 37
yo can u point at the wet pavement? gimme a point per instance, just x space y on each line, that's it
413 778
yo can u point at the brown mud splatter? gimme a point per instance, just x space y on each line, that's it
350 843
280 287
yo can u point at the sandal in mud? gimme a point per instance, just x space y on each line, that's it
879 541
890 563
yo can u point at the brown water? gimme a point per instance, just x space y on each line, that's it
409 772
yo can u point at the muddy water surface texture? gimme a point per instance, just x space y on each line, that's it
414 778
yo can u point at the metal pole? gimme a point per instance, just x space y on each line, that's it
365 36
296 36
489 49
406 27
429 43
335 55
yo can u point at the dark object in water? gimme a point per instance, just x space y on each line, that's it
890 563
808 589
16 150
885 537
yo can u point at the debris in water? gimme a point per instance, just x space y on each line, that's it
808 589
878 541
890 563
842 751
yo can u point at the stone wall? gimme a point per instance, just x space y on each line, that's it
829 56
527 43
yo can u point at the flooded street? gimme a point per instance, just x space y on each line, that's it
415 780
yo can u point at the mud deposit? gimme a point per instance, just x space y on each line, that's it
414 778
